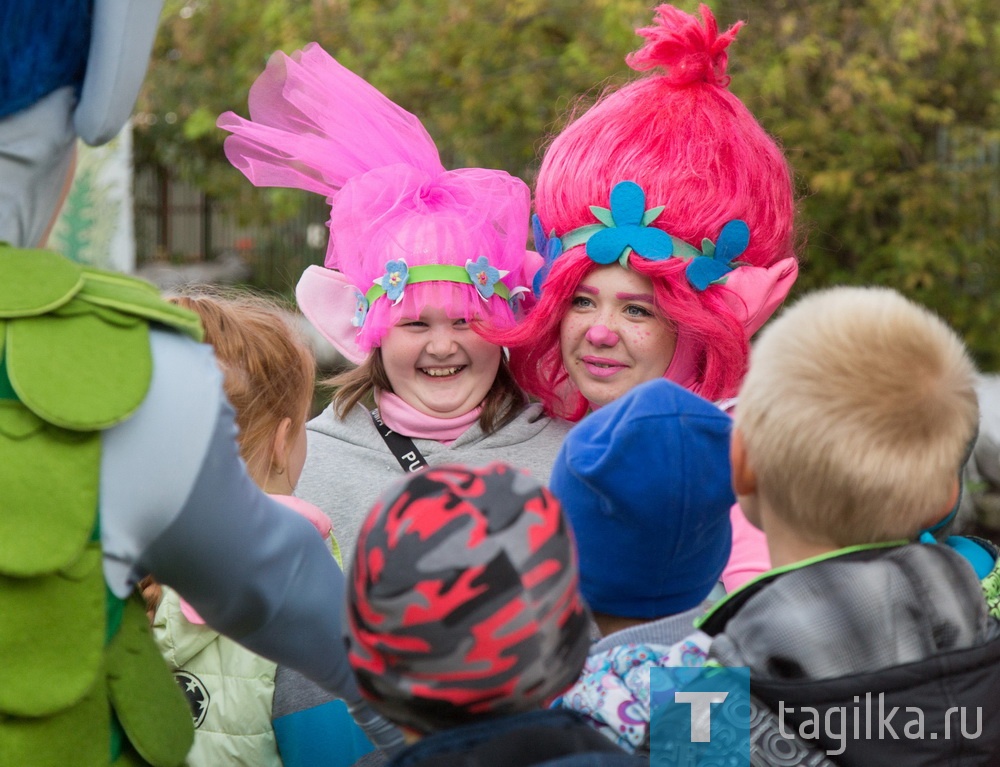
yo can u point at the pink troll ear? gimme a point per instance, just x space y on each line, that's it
328 302
754 292
533 261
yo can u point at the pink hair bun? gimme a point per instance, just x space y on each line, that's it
689 52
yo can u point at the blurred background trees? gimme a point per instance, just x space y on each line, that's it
890 114
488 79
888 111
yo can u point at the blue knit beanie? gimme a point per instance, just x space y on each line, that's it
645 483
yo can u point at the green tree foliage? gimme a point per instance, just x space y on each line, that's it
488 79
491 79
889 111
206 55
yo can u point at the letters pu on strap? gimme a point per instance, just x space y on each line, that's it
400 446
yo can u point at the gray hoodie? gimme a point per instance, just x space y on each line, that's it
348 464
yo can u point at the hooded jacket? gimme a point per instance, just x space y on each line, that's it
879 655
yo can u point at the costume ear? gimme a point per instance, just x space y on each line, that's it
121 39
754 292
533 261
328 301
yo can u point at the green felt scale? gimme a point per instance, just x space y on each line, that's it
74 359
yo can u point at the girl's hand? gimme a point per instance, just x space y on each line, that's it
152 592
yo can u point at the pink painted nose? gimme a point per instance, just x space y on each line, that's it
600 335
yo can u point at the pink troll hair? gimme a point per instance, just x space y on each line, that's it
694 148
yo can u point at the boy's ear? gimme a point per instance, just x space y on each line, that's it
744 479
956 488
942 513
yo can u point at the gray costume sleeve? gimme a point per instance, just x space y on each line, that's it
261 574
176 502
255 570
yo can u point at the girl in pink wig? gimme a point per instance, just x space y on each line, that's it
665 219
418 257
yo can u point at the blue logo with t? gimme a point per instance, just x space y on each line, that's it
700 716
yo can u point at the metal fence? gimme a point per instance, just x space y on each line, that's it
177 223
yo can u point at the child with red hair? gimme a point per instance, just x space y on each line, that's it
693 254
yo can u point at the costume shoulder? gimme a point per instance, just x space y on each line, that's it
75 340
68 346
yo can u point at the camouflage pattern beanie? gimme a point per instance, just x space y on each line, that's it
464 601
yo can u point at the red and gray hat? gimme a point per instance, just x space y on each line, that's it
464 601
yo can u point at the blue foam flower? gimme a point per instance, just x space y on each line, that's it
549 248
484 276
360 308
394 280
627 228
717 260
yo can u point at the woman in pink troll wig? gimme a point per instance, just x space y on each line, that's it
694 253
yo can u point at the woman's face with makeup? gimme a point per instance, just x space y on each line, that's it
612 337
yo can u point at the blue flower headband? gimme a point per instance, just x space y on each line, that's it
624 229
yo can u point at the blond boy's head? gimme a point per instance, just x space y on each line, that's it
855 415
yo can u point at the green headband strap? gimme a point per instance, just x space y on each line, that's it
437 273
580 236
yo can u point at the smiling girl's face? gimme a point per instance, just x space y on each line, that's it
612 337
439 365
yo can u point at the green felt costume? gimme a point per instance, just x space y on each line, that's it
81 681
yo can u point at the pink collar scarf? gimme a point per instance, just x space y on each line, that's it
405 419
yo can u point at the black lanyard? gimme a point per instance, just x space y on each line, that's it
401 447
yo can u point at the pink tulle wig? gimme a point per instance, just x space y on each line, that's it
404 232
701 202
